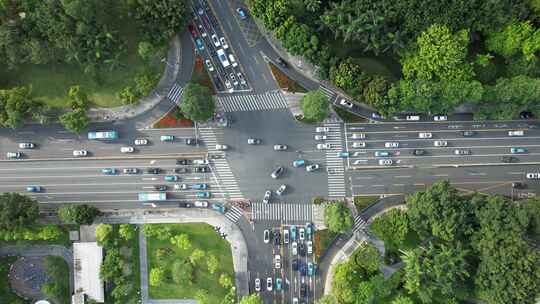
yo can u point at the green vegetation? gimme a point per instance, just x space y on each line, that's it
337 217
473 246
323 239
361 202
188 261
315 106
450 53
251 299
58 271
6 294
198 104
78 214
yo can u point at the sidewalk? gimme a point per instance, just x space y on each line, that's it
195 215
172 67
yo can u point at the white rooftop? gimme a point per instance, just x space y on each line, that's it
87 261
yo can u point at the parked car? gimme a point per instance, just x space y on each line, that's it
215 40
282 62
266 236
286 236
13 155
376 115
309 246
277 261
241 78
26 145
412 117
223 43
257 284
209 65
294 248
310 269
440 118
309 230
301 233
278 284
293 232
269 284
233 62
199 42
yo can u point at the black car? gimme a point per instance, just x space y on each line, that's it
282 62
467 133
303 290
302 268
181 170
153 170
182 161
277 172
509 159
302 249
295 265
518 185
418 152
526 115
277 238
202 169
160 187
185 205
191 141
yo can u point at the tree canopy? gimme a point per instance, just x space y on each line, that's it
197 102
315 106
17 211
337 217
78 214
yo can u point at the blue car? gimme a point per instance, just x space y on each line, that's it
298 163
242 13
382 154
171 178
199 186
343 154
309 230
203 194
200 44
278 284
302 268
218 207
293 232
166 138
33 189
310 269
108 171
515 150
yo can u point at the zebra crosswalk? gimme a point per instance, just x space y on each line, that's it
327 92
283 212
234 214
334 164
254 102
359 223
223 174
175 93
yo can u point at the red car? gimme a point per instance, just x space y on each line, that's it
192 30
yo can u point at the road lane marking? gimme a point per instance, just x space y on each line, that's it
403 176
440 175
515 173
476 173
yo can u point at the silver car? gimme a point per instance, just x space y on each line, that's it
277 172
80 153
281 189
267 196
280 147
26 145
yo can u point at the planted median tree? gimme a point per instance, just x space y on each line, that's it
315 106
78 214
337 217
197 102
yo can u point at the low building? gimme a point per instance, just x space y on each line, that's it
88 257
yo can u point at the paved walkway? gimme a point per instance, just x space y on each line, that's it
41 251
168 79
234 237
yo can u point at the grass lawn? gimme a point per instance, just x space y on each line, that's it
323 239
6 295
203 237
50 82
285 82
348 116
362 202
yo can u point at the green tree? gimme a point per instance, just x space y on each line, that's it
197 102
202 296
103 233
17 211
533 209
343 283
75 121
112 265
146 81
375 94
160 20
17 106
337 217
126 232
181 241
196 255
58 287
327 299
367 258
182 272
272 13
315 106
518 38
392 228
401 299
159 231
212 263
156 276
225 280
439 55
346 75
254 298
78 214
128 95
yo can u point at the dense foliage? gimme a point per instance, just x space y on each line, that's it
315 106
17 211
78 214
58 272
337 217
197 102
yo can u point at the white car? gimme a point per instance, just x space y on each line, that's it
294 247
209 65
266 236
267 196
228 84
281 189
233 79
346 103
309 247
127 149
323 146
358 136
257 284
440 143
223 43
181 186
80 153
535 175
141 142
13 155
233 61
215 40
241 78
312 167
322 129
412 117
425 135
201 204
440 118
26 145
277 261
222 147
269 284
385 162
359 145
391 145
201 162
516 133
280 147
320 137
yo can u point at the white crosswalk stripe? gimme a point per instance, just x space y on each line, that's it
359 223
327 92
223 174
234 214
255 102
334 164
284 212
175 93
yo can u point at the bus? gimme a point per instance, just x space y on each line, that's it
152 196
105 135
